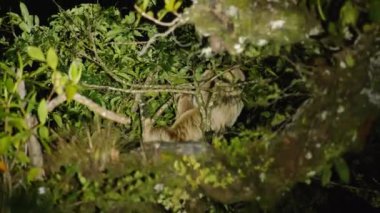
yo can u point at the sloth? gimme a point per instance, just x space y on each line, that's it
220 99
187 126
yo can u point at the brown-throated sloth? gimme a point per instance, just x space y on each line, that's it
220 99
187 126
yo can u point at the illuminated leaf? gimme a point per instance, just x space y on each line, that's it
75 71
36 53
43 132
342 169
34 173
57 118
326 175
24 11
70 91
22 158
5 143
42 111
348 14
52 58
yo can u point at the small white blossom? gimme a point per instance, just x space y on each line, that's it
41 190
242 39
232 11
159 187
315 31
347 34
262 177
340 109
311 173
323 115
262 42
239 48
342 65
207 52
278 24
308 155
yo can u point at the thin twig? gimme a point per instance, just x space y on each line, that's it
186 86
179 43
162 109
100 63
138 98
142 124
56 102
156 21
139 91
154 38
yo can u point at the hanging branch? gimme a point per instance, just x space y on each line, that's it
110 115
156 21
139 91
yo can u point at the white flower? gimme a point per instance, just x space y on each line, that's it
232 11
41 190
239 48
262 42
276 24
159 187
207 52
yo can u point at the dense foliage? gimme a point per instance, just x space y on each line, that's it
91 163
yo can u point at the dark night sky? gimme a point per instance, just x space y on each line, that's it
46 8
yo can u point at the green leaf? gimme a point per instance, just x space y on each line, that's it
52 59
161 14
169 5
350 61
33 174
37 72
58 120
24 11
17 122
24 27
31 103
36 53
7 69
326 175
82 179
5 143
43 132
278 118
70 91
36 21
177 5
10 85
145 5
22 158
59 81
342 169
150 14
75 71
42 111
348 14
130 18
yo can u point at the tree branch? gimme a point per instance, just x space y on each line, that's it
156 21
139 91
100 110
